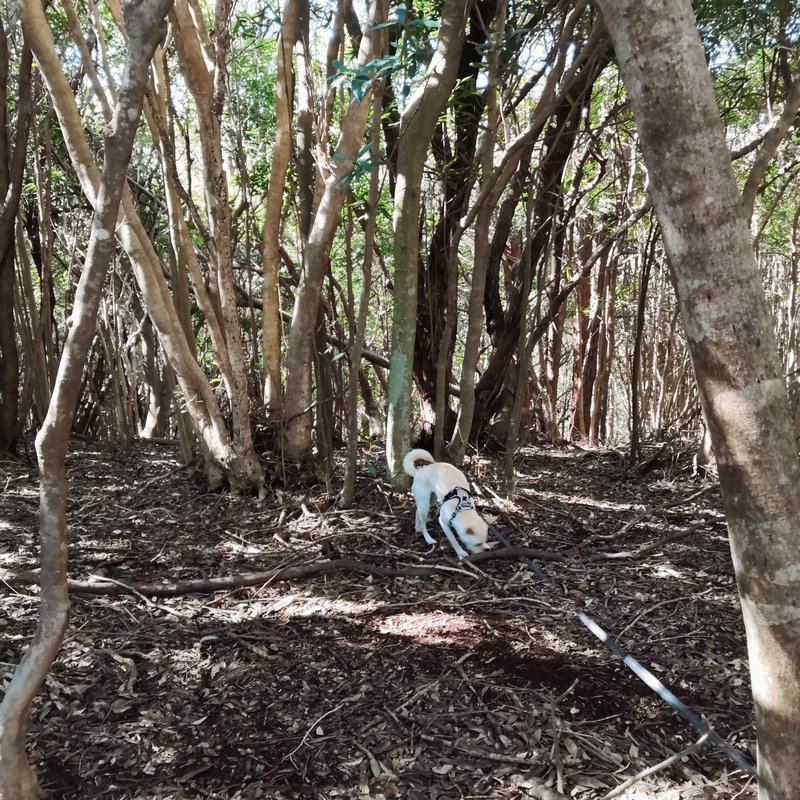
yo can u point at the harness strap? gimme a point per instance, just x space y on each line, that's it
464 501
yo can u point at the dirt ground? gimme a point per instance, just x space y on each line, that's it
343 658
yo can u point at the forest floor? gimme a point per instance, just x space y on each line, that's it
345 659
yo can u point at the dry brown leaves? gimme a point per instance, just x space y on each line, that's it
474 681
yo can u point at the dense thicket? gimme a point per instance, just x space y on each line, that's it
414 221
540 271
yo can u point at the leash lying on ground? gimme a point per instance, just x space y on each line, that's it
657 686
645 675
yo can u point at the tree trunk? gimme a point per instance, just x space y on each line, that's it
729 330
457 448
12 166
557 144
358 324
638 342
208 85
581 344
297 400
223 461
417 125
270 250
144 22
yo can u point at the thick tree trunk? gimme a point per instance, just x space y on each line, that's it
730 335
144 22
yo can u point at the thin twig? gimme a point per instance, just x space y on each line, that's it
618 790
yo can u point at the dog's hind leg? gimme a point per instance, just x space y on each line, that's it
421 520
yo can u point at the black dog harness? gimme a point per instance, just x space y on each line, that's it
464 501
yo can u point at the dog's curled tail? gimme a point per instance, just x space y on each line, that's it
415 455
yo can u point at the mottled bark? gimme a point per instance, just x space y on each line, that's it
730 335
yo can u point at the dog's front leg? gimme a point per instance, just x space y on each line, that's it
444 521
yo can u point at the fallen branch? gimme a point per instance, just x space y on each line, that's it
102 585
505 553
647 549
537 787
667 762
651 512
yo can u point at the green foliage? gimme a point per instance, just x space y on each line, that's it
359 79
251 104
410 52
363 166
732 28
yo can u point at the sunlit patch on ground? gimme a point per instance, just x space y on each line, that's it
433 627
297 605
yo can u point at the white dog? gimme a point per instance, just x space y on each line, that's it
456 510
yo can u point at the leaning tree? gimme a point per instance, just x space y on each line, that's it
729 330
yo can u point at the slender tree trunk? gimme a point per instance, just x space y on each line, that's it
581 343
322 364
270 251
730 335
475 318
12 166
636 370
525 345
208 86
359 320
144 21
417 125
36 334
605 354
770 145
297 399
304 152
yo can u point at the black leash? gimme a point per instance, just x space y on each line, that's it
532 565
645 675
